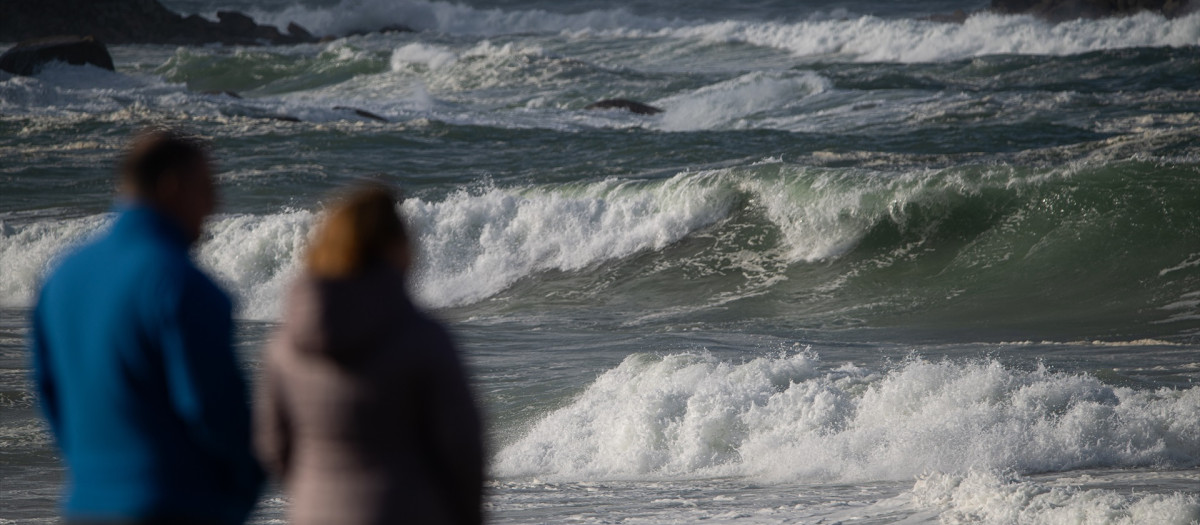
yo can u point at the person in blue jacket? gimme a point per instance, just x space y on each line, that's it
133 358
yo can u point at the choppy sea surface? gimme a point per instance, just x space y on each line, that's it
865 268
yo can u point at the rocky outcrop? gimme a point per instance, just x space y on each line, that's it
1060 10
27 58
135 22
628 105
299 32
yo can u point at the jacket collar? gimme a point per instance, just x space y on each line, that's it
141 218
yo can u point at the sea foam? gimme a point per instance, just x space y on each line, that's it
987 498
787 418
473 245
872 39
727 104
256 256
252 256
27 250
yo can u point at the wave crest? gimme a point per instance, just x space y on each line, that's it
475 245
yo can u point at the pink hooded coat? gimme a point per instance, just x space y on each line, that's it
364 409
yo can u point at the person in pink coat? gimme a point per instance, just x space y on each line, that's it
364 410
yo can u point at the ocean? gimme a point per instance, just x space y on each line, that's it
865 268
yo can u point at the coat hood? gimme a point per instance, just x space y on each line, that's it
345 318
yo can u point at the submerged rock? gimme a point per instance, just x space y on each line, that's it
628 105
27 58
1060 10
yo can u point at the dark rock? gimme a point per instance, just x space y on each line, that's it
134 22
27 58
361 112
269 34
196 24
298 32
1061 10
235 22
628 105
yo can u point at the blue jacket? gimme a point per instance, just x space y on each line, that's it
134 366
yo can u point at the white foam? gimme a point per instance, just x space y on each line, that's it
784 418
482 66
431 56
824 213
1192 261
28 250
986 498
821 218
727 104
872 39
254 257
475 244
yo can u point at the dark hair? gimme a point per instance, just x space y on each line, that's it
157 151
359 232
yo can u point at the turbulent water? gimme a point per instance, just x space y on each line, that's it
865 267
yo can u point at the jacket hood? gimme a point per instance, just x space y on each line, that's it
344 318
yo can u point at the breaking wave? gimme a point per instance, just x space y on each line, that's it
787 418
983 235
